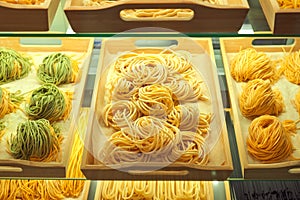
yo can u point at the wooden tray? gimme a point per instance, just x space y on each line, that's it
253 169
281 21
220 165
81 48
15 17
210 192
207 17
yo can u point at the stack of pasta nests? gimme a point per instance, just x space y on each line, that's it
269 139
152 109
35 138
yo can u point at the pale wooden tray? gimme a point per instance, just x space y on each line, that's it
15 17
207 17
253 169
281 21
81 49
220 165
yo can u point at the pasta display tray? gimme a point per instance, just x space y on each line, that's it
265 157
281 20
156 112
79 50
17 17
179 15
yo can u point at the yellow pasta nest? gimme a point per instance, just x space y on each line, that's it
250 64
290 67
269 140
258 98
289 3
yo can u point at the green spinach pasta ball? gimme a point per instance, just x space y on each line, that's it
35 140
49 102
13 65
58 68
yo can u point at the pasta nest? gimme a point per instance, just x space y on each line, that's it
13 65
57 69
35 140
250 64
155 100
269 140
258 98
50 103
290 67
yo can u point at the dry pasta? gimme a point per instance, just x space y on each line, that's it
49 102
13 65
156 118
50 189
58 68
117 114
258 98
290 67
36 141
147 190
269 140
25 2
289 3
250 64
10 102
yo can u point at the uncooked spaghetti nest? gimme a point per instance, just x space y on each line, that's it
258 98
250 64
290 67
269 140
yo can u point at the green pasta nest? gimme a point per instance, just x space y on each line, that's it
35 140
13 65
48 102
57 68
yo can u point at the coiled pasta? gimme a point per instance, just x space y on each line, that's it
258 98
35 140
269 140
154 100
250 64
119 114
50 103
13 65
290 67
58 68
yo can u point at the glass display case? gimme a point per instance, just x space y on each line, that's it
232 182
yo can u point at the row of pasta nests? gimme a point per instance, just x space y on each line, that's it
269 140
